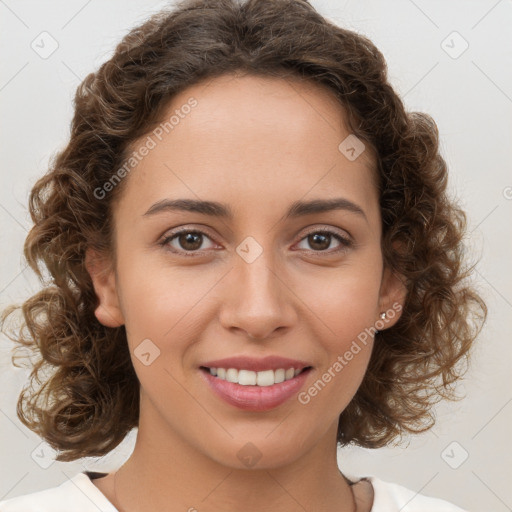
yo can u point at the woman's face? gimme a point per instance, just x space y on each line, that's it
259 273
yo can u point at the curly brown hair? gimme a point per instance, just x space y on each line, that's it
83 394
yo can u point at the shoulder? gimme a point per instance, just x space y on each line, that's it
77 494
390 497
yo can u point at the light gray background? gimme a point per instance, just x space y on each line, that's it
470 97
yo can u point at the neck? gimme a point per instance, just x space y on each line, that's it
167 473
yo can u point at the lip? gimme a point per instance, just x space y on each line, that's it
255 398
257 364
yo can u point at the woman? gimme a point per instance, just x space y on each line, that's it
253 259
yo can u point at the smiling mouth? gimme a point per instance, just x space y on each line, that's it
251 378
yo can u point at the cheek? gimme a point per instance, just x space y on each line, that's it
345 318
164 314
345 301
344 307
165 305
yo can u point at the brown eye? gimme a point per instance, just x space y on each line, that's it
186 241
190 241
320 241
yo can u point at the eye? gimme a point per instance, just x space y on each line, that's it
188 242
321 239
185 241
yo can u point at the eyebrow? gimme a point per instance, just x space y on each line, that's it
215 209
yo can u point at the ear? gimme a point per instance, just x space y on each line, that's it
103 278
393 293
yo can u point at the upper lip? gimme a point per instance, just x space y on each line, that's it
257 364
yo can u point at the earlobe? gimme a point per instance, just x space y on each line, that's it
392 298
103 278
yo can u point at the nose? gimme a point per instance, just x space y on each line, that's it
258 300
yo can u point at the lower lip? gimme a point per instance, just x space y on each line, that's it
255 398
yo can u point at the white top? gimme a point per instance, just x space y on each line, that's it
79 494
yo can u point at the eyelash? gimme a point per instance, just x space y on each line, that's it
344 241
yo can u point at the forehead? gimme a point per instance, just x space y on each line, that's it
240 136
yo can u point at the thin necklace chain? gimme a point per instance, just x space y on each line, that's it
353 495
115 490
116 499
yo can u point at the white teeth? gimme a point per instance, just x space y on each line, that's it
247 378
232 375
250 378
265 378
279 376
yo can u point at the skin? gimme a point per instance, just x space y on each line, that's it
256 144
